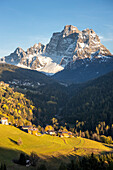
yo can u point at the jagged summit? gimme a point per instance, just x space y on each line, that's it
70 29
63 50
36 45
73 44
36 49
18 50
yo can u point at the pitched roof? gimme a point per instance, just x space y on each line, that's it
26 127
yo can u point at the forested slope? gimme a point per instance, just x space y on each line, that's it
15 106
92 103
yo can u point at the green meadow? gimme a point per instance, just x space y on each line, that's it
50 149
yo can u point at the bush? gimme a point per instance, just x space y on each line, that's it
34 158
3 167
19 142
22 159
42 167
105 139
62 167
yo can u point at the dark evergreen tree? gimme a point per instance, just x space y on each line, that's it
22 159
42 167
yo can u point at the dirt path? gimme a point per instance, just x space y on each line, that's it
64 141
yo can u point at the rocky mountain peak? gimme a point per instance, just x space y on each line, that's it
65 49
35 45
73 45
69 29
36 49
39 45
18 50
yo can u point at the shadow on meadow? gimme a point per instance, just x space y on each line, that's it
109 146
8 157
54 161
15 142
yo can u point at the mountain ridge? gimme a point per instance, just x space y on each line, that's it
63 50
10 73
84 70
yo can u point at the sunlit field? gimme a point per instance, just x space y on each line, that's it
47 147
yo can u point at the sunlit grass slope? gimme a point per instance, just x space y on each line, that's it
43 145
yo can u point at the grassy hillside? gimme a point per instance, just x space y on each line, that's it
47 147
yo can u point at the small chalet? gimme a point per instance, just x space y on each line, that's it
52 132
33 131
4 121
66 134
1 83
30 130
4 84
25 128
70 134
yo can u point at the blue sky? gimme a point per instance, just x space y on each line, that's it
26 22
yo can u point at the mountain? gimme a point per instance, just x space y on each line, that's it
85 58
33 58
82 55
73 44
92 103
68 51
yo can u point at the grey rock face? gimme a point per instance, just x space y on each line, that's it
73 45
36 49
63 43
28 58
16 57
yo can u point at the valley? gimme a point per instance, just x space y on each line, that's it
66 87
